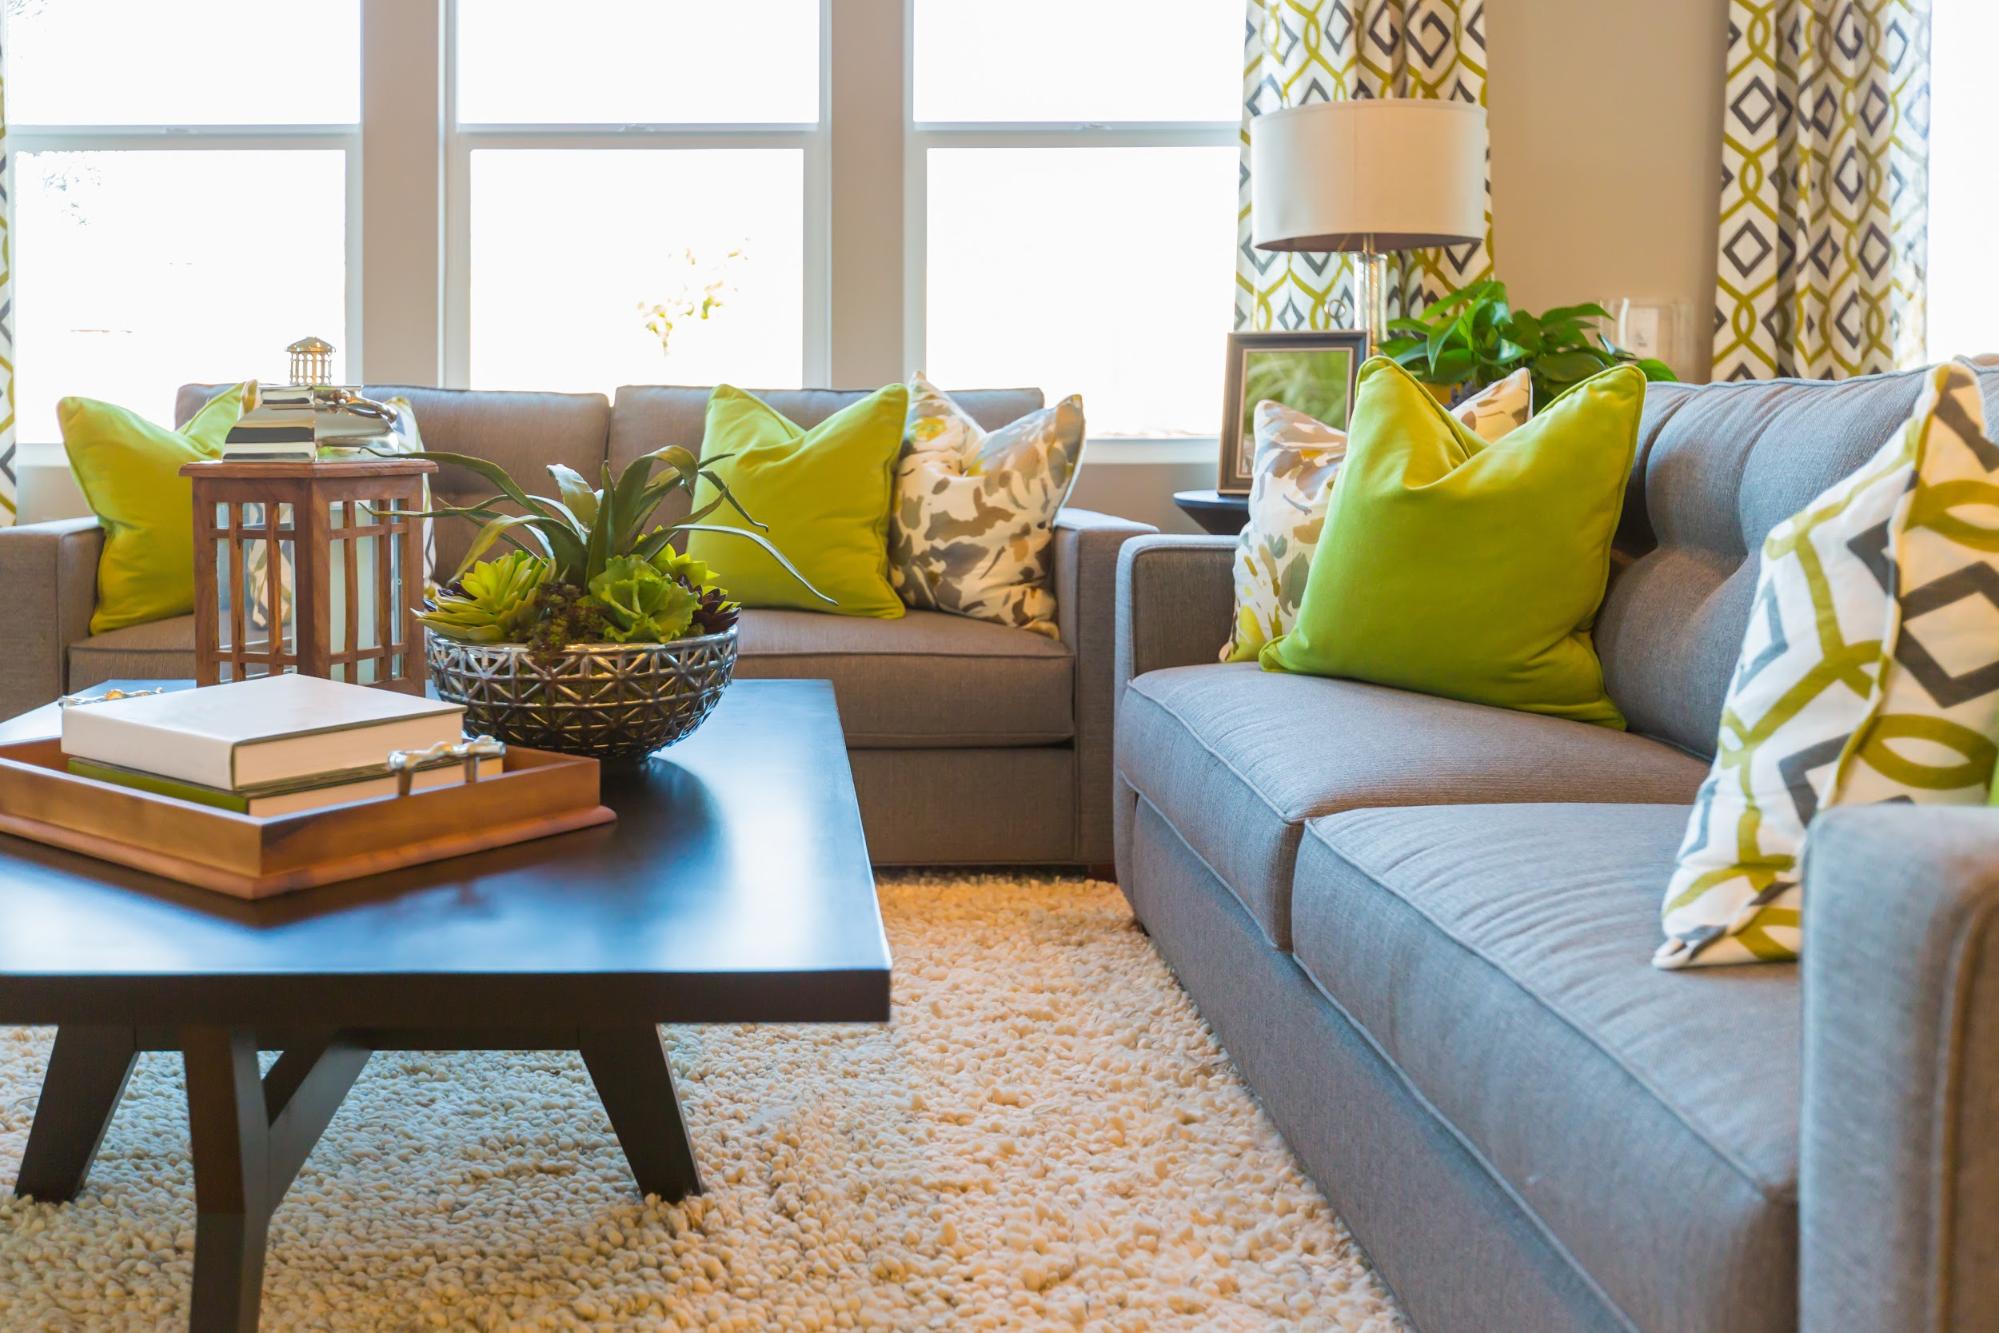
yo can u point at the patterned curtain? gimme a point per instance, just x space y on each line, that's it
1299 51
1825 188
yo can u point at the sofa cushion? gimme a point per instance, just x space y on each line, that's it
521 431
1238 759
156 650
1498 956
926 679
1719 466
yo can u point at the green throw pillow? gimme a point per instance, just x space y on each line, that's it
1471 570
129 472
823 493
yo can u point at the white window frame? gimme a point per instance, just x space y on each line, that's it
24 139
408 168
919 137
462 140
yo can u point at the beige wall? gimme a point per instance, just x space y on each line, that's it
1605 118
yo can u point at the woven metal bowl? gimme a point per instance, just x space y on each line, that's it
617 702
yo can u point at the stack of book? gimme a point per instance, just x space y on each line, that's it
275 745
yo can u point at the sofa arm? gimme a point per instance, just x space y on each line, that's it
49 571
1898 1195
1084 571
1175 601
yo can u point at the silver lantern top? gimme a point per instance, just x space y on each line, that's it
312 362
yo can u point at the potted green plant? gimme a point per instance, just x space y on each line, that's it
1474 336
592 634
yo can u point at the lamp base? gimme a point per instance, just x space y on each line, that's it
1371 296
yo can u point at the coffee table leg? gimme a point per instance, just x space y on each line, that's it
230 1132
86 1076
633 1079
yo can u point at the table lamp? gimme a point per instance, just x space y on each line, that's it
1366 176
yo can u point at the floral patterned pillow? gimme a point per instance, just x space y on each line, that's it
1297 457
974 510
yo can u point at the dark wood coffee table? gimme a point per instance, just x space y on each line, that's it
734 887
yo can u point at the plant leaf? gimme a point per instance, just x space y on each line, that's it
1569 367
490 535
764 542
491 471
576 493
1454 365
1587 310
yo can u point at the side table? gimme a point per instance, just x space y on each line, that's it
1222 515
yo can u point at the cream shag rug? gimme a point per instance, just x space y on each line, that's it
1045 1135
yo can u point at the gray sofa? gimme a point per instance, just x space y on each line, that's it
1422 930
940 711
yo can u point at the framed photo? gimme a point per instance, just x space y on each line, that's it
1312 372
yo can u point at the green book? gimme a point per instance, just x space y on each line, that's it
289 797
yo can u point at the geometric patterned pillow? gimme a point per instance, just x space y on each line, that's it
1291 484
974 512
1870 673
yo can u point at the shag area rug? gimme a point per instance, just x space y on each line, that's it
1045 1135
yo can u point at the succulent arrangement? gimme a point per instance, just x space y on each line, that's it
587 565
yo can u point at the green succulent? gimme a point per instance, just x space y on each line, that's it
694 573
640 604
494 601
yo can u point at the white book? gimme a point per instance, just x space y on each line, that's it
251 732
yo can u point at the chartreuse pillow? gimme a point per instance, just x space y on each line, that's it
823 494
129 471
1473 570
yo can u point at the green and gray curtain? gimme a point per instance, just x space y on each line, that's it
1825 188
1300 51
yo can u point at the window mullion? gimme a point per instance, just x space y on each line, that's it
396 260
866 118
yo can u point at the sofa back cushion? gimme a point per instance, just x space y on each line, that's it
1718 467
521 431
646 417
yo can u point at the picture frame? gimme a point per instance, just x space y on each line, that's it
1312 371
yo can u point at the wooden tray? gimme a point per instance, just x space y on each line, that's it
536 794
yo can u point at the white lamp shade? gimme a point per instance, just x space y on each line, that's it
1367 174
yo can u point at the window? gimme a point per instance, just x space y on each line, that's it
1963 281
514 194
633 209
1077 165
169 228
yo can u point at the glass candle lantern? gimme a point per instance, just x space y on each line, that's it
310 567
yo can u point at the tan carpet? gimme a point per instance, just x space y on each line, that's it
1045 1135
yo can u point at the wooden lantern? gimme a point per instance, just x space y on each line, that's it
309 567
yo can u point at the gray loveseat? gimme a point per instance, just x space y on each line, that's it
1422 930
942 713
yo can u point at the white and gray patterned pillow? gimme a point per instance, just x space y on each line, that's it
974 511
1869 674
1297 457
